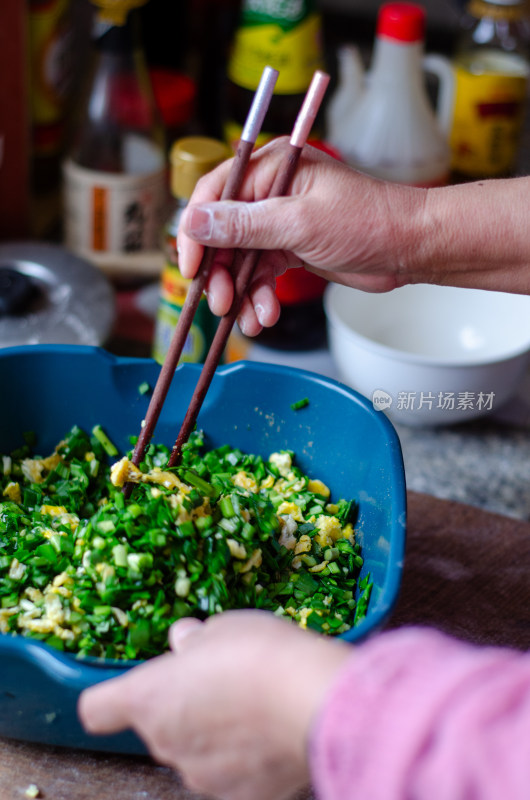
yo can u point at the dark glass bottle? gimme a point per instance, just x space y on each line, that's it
115 173
491 70
51 61
288 37
285 36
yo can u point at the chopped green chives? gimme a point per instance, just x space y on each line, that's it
90 573
105 442
300 404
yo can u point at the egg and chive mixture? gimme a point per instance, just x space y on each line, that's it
93 574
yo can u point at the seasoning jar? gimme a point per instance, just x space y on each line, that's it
491 76
388 128
191 158
287 37
115 171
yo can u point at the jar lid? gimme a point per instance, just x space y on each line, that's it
506 10
114 12
51 296
506 2
191 158
404 22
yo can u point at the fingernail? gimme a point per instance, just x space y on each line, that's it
260 313
182 629
242 325
200 223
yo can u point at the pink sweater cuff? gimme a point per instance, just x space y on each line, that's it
416 715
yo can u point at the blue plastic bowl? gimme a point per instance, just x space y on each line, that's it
338 438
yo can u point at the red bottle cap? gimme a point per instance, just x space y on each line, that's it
404 22
175 95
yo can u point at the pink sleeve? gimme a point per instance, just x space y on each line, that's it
416 715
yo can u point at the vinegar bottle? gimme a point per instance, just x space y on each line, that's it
491 68
114 176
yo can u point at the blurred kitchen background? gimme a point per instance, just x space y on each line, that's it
45 53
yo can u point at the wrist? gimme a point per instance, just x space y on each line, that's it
405 233
473 235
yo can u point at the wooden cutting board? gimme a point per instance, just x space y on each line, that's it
467 572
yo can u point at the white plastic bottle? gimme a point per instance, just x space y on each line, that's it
388 128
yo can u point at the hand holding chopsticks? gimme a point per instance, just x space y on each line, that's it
243 278
252 127
244 275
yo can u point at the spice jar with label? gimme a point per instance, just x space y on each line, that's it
191 158
115 176
491 80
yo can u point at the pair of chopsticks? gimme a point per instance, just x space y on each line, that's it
243 277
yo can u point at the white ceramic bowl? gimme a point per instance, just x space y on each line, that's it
430 355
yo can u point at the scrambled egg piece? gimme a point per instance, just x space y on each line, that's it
319 567
289 527
254 561
124 471
318 487
292 510
303 545
329 530
62 516
267 483
12 491
32 468
245 481
237 550
282 461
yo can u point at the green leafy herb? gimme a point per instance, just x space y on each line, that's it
300 404
91 574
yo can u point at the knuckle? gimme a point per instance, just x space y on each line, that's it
241 226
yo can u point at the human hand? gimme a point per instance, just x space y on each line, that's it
230 707
342 225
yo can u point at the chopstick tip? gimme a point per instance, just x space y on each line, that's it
309 110
260 104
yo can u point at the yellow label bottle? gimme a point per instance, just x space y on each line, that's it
491 77
286 36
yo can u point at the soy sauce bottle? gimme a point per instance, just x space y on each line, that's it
286 36
115 171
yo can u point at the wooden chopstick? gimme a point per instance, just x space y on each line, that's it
304 123
251 129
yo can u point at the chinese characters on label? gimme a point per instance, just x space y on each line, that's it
448 401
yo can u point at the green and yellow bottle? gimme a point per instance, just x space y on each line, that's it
286 35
